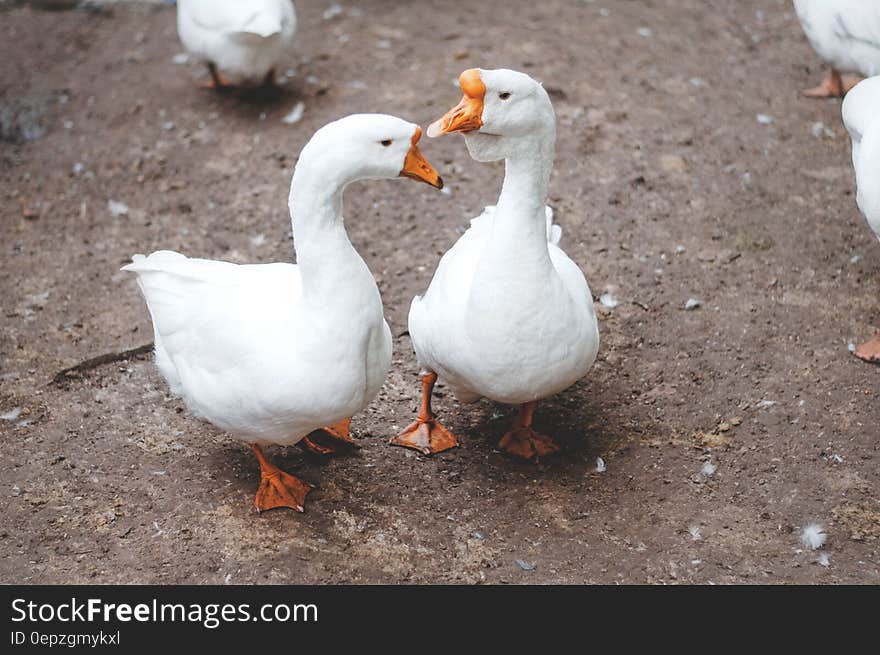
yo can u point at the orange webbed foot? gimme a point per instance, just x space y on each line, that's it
870 350
833 86
277 488
427 436
524 442
281 489
321 442
217 81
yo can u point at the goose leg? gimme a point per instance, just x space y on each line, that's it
426 434
870 350
277 488
217 80
321 441
831 87
522 441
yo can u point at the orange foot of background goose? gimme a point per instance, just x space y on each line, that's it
870 351
426 434
833 86
522 441
321 441
217 80
277 488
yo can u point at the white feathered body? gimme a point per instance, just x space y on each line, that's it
844 33
861 115
512 334
244 350
244 38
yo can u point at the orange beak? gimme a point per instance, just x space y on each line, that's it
415 166
466 116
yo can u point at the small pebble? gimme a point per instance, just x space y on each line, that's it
525 566
332 11
600 465
117 208
764 119
692 304
708 469
295 114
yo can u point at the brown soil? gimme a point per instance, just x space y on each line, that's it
104 478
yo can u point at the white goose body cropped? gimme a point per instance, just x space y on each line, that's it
861 116
244 39
271 352
508 315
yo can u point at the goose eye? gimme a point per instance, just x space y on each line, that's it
386 142
504 96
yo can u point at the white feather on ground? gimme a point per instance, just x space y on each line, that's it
813 536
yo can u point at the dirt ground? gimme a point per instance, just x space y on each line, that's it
667 186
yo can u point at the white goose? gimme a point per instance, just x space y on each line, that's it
861 115
240 40
846 35
508 316
272 352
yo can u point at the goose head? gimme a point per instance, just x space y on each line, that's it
503 112
362 147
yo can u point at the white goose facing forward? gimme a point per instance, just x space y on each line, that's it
508 316
271 352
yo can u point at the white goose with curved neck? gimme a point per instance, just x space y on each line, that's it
508 316
272 352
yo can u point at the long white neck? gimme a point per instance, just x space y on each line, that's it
329 264
519 232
